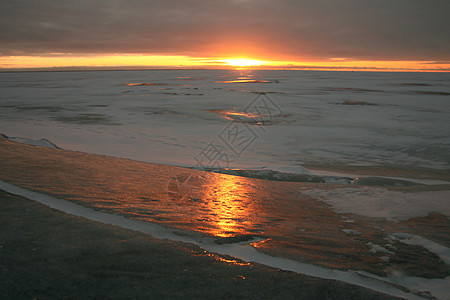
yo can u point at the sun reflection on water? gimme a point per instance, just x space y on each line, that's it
230 206
243 81
237 115
229 260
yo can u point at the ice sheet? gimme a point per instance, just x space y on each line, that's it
170 116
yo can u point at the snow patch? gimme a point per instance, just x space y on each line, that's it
381 203
41 143
416 240
374 248
351 231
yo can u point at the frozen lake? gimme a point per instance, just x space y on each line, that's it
176 116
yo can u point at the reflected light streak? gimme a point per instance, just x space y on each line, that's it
243 81
230 206
229 261
235 115
218 258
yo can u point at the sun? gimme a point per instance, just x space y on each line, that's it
242 62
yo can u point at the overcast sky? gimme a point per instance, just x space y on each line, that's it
283 29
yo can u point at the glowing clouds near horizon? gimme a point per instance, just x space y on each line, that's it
60 60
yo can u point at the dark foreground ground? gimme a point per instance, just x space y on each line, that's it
45 254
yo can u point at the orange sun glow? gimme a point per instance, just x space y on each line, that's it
242 62
61 60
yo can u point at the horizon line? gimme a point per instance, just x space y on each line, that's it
222 67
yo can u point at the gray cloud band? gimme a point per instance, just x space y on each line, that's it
378 30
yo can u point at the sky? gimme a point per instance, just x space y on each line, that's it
364 34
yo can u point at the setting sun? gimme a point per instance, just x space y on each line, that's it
242 62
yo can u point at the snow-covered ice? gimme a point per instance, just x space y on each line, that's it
383 203
411 239
170 116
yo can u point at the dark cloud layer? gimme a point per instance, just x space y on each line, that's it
358 29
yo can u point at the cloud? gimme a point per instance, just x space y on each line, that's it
302 29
